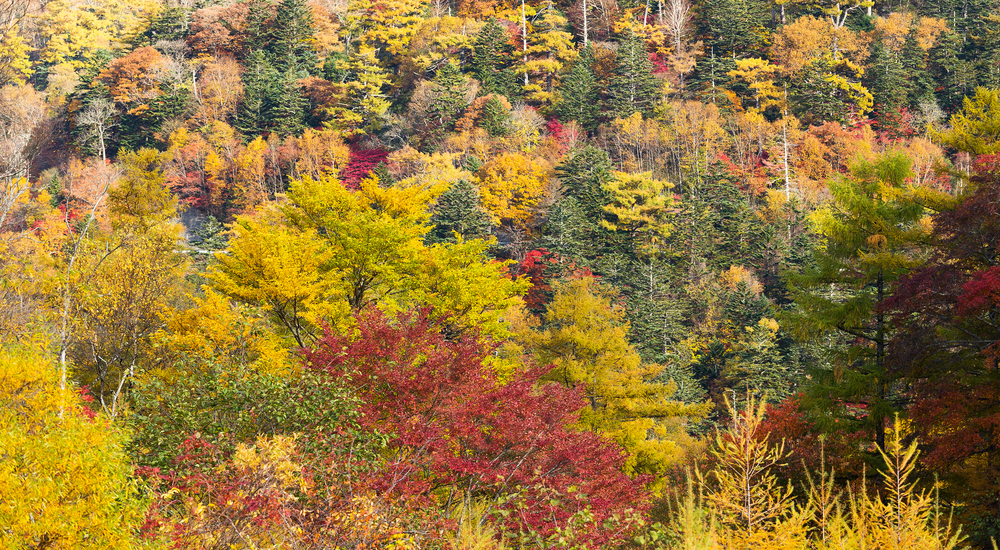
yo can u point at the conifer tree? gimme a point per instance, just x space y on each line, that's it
292 36
458 211
496 118
921 88
579 97
492 58
633 86
255 32
288 108
888 85
259 78
450 87
582 175
871 232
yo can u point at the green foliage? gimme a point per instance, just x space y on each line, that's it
227 406
458 211
976 128
492 61
633 87
872 230
579 99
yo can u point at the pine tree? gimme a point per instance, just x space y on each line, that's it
579 97
582 175
256 34
450 87
492 58
633 86
921 88
954 75
496 118
458 211
888 85
259 79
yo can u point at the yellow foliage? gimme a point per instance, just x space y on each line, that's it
224 331
586 339
65 482
510 186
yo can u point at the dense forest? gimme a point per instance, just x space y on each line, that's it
483 274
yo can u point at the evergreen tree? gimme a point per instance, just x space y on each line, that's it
496 118
954 75
259 78
568 232
887 81
871 232
734 28
450 87
913 59
579 97
582 175
256 33
288 106
292 36
492 61
633 86
458 211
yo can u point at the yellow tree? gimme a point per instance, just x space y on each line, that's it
126 278
65 482
758 76
585 337
549 50
638 206
330 252
510 187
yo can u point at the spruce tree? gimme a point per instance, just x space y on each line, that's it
913 59
256 34
579 97
492 60
496 118
582 175
449 87
888 85
633 86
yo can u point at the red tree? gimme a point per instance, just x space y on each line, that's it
458 430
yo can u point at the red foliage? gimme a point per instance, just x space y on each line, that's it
533 266
362 162
456 426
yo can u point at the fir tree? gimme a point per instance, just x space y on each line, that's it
458 211
292 36
495 119
888 85
288 107
258 83
579 97
492 59
582 175
256 35
449 87
633 86
921 88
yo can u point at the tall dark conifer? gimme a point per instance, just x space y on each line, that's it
292 35
579 97
259 79
492 58
633 86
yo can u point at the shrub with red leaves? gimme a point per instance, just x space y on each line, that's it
458 429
